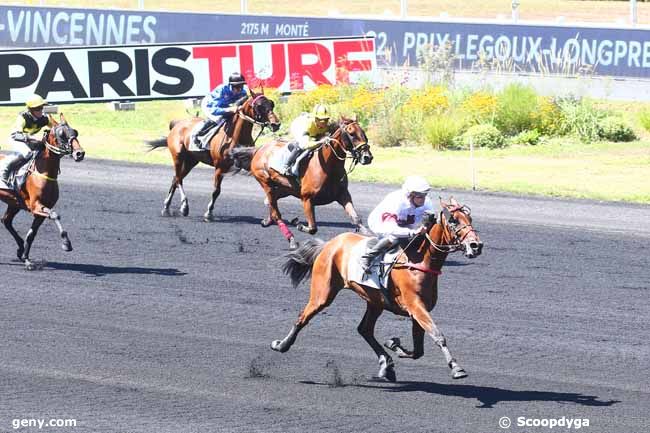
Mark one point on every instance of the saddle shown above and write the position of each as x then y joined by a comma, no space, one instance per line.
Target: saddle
202,134
279,160
18,178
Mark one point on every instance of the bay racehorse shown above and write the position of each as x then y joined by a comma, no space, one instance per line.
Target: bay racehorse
412,289
323,177
40,191
255,109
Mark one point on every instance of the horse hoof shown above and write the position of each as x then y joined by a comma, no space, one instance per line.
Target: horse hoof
293,245
208,218
277,346
29,266
295,222
19,254
66,246
266,222
388,374
165,213
185,210
458,373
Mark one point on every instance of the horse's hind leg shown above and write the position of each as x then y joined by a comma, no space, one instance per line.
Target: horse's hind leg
276,217
181,167
422,316
168,200
367,330
308,206
320,296
218,177
8,220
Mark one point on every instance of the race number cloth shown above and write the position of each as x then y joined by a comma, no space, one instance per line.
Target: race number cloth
373,279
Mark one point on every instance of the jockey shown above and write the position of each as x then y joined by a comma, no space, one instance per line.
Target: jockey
23,139
220,103
398,216
307,131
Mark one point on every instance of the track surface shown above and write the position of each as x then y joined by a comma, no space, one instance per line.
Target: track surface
163,324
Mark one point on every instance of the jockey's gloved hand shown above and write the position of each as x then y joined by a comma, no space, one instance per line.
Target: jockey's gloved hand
20,136
418,231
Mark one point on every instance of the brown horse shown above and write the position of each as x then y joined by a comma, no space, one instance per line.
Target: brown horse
323,178
40,191
412,289
256,109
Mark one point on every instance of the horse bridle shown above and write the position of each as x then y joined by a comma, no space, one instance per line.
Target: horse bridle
355,151
63,146
454,228
254,120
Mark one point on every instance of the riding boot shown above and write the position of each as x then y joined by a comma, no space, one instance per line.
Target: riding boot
12,163
372,252
199,137
295,152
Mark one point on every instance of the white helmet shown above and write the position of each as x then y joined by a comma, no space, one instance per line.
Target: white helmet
415,184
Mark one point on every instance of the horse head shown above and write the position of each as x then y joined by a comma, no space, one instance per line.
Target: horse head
456,221
259,108
62,140
353,140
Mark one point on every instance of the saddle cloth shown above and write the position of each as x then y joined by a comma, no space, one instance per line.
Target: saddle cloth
278,160
202,143
17,179
379,270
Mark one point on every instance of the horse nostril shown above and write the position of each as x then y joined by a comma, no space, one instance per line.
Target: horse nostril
473,245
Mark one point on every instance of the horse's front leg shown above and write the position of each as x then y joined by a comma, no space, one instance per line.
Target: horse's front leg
422,316
395,344
345,200
66,245
8,220
308,206
218,177
29,238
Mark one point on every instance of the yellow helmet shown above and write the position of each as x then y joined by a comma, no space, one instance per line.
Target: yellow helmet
35,101
321,112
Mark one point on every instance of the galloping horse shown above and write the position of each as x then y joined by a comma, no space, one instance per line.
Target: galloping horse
256,109
40,192
412,289
323,178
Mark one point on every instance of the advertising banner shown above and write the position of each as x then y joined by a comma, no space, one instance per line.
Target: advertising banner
181,70
612,51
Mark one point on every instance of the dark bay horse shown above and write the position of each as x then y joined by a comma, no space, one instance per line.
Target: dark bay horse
412,289
256,109
40,192
323,178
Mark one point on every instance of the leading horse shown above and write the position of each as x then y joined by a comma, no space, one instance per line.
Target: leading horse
323,178
412,289
40,192
256,109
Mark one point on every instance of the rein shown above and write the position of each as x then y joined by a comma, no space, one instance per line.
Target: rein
254,121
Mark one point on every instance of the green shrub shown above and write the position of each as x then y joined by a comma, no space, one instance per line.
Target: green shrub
581,118
440,131
615,129
526,137
517,107
644,119
485,135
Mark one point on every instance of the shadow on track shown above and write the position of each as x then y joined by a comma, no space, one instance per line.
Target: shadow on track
486,395
100,271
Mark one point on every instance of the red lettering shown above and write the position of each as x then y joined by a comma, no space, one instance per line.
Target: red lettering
344,65
298,71
215,55
278,63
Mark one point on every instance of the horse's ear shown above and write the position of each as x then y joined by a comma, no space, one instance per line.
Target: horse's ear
61,118
453,201
52,119
443,204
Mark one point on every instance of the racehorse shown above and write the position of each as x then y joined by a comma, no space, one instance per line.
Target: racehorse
323,178
255,109
40,191
412,289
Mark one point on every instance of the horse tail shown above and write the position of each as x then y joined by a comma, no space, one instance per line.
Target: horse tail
299,262
154,144
242,157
